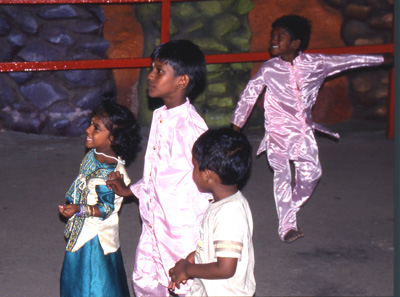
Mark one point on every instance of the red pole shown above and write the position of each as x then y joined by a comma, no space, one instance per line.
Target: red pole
165,10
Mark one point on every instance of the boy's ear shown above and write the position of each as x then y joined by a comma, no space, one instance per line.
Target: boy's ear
295,44
183,81
212,177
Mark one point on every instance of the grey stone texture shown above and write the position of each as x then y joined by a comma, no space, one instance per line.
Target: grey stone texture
51,102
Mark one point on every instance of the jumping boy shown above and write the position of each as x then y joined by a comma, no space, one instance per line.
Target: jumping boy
291,81
171,207
223,262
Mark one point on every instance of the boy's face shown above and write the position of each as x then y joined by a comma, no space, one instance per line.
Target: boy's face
199,177
281,45
161,81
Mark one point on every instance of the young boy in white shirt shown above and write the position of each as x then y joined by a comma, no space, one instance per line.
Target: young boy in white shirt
223,263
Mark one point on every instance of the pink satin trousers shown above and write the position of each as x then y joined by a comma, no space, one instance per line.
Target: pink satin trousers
288,199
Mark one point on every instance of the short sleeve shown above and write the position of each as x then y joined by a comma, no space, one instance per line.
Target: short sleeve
229,233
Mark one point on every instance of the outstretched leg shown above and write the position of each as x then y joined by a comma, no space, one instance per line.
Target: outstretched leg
283,193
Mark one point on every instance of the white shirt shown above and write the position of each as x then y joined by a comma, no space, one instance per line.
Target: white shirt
227,231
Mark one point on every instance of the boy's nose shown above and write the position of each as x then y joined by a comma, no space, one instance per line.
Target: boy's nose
150,75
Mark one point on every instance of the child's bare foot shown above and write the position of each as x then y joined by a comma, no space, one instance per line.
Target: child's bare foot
293,235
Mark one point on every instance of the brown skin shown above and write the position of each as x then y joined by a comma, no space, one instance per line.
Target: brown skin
282,46
161,83
116,183
236,128
98,137
207,181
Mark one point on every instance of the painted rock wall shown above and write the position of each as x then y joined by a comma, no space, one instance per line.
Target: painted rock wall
51,102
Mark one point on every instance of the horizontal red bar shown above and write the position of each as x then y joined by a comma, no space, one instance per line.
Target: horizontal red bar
82,1
145,62
73,65
75,1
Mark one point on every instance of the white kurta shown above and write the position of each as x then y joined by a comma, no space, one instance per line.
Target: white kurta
171,206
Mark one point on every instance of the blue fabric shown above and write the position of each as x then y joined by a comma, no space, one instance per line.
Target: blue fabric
88,272
105,201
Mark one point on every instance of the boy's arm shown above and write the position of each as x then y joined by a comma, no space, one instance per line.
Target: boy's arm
248,99
116,183
222,269
334,64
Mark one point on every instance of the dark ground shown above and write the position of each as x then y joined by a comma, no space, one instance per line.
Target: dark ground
347,251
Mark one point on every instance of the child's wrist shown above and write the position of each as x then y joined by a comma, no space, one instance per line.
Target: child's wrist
84,211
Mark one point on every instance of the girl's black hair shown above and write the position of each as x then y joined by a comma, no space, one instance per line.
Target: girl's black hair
224,151
298,28
122,125
184,57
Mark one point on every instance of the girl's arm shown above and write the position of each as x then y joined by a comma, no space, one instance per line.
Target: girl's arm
68,210
103,208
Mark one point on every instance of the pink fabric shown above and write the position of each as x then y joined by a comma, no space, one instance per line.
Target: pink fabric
171,207
290,94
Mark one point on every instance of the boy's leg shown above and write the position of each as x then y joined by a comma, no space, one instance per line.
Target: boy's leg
308,171
145,276
283,193
308,174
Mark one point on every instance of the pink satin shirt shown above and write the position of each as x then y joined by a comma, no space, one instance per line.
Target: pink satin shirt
169,201
291,92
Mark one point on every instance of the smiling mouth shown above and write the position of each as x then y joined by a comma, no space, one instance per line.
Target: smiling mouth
88,138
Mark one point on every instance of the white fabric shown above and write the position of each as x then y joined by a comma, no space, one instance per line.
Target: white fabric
227,231
107,230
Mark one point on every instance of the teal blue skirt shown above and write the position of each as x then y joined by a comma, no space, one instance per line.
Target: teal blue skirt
88,272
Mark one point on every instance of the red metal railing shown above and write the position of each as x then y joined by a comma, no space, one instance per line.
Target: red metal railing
211,59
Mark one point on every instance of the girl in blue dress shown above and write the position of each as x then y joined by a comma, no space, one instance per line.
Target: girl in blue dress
93,264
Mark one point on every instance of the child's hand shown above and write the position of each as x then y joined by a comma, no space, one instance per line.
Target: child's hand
116,183
68,210
178,274
388,59
236,128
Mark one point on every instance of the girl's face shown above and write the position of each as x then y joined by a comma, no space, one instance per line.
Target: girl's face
98,137
281,45
162,83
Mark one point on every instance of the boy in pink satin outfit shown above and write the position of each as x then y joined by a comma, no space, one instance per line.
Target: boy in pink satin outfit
171,207
291,80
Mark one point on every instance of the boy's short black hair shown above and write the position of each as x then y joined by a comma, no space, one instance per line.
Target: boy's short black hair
122,125
184,57
298,27
224,151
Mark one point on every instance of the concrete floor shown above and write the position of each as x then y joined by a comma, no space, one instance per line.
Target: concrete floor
347,251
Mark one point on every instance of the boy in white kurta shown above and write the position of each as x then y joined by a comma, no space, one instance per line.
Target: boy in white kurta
223,263
170,205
